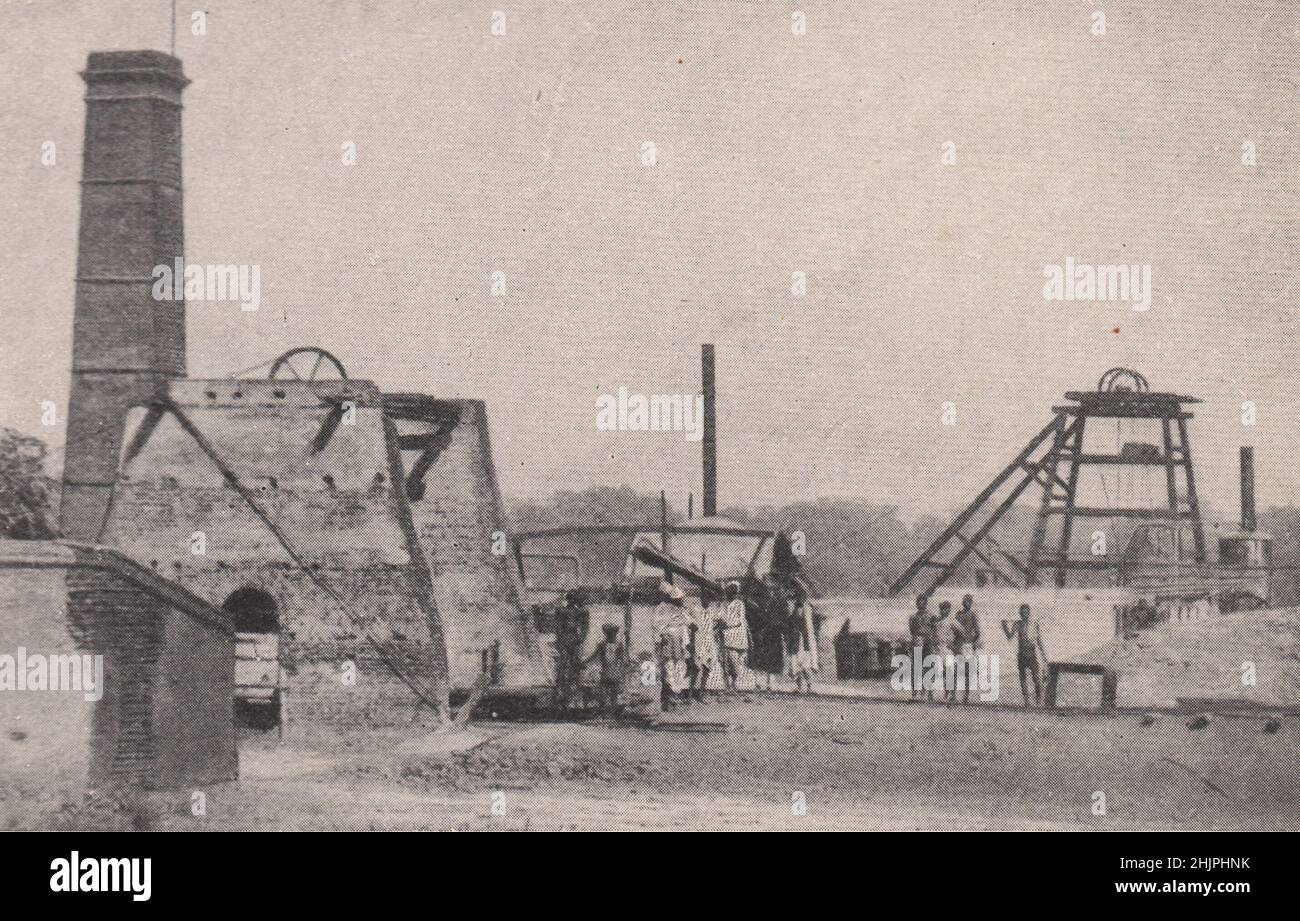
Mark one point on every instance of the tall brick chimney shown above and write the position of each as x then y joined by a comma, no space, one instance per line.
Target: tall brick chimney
125,344
1248,522
710,450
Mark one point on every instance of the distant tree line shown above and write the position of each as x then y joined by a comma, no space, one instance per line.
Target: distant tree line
851,547
859,548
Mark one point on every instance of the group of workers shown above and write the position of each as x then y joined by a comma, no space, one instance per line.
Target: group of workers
695,637
946,634
572,621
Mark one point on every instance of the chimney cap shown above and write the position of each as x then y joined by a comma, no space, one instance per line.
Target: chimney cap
112,66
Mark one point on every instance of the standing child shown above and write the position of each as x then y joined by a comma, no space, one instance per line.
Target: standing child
571,623
947,646
613,661
671,626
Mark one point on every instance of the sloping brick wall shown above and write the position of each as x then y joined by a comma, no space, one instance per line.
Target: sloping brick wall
461,522
340,506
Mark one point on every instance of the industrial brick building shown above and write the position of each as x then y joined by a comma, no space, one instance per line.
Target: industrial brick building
355,538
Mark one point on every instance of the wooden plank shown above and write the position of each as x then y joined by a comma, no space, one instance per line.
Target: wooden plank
1085,511
1109,681
1119,460
1049,463
1054,563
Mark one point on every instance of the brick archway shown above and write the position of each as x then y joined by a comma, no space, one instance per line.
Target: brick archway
256,620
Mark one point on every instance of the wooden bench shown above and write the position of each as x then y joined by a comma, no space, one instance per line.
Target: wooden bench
1109,681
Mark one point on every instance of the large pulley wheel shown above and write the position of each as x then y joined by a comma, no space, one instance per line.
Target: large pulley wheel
1123,380
307,363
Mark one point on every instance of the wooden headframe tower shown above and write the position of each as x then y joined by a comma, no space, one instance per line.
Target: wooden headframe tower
1053,460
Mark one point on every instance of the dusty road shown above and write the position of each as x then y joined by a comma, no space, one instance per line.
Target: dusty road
753,762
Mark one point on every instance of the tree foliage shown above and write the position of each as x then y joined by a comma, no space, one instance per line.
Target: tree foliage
851,547
859,548
25,487
595,505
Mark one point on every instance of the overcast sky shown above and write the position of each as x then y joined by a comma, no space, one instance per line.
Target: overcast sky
776,153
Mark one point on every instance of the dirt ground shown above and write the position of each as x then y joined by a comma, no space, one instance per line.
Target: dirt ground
752,761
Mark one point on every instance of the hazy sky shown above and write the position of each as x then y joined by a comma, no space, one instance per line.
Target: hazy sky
776,153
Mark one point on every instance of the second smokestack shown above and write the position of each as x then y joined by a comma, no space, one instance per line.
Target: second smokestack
710,432
1248,489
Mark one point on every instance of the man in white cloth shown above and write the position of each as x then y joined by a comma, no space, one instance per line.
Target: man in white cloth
672,628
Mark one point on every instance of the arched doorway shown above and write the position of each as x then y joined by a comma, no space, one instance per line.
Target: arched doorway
257,658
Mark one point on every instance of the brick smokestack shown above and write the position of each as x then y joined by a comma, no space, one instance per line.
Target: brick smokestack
710,432
125,344
1248,489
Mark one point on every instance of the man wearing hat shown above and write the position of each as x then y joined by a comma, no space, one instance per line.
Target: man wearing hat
671,625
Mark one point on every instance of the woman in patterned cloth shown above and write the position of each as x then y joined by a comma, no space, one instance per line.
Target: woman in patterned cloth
735,637
702,651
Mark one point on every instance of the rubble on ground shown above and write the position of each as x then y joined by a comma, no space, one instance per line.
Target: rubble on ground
1208,659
